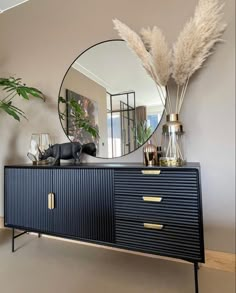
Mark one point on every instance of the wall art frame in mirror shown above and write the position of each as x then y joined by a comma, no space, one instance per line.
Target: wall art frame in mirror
107,98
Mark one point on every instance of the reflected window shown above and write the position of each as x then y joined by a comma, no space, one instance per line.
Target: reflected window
114,135
152,121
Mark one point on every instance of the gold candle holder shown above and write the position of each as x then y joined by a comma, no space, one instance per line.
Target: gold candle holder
150,155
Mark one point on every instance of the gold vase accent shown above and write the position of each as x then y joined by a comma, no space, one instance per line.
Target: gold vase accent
172,142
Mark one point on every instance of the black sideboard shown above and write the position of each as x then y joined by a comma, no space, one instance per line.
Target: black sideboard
154,210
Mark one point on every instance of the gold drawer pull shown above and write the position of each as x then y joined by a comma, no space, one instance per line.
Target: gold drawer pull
153,226
51,201
151,172
152,198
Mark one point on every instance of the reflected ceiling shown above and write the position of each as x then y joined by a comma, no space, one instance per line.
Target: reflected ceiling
8,4
127,74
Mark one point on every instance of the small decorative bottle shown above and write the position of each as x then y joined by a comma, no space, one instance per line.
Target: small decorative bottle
159,155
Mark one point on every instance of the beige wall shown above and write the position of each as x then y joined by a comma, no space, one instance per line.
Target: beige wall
40,39
81,84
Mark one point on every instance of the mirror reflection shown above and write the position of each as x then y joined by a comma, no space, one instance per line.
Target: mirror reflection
107,98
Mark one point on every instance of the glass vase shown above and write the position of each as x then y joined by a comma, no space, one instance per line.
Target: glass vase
172,142
39,142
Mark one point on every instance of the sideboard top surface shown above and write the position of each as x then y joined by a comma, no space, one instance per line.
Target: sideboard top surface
71,165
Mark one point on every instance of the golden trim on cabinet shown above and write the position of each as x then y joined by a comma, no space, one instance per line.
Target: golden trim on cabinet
153,226
152,198
51,201
151,172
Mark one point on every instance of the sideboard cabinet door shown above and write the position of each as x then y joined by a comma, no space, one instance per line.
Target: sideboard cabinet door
84,203
26,198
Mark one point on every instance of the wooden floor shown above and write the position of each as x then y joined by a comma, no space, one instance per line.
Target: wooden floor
220,261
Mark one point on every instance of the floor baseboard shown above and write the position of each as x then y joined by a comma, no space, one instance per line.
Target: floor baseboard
221,261
1,222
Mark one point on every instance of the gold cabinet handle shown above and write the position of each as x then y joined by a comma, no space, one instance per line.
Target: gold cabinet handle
152,198
51,201
151,172
153,226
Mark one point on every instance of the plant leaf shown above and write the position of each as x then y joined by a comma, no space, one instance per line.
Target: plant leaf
21,92
9,111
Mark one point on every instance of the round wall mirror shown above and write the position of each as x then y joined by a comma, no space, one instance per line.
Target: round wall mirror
107,98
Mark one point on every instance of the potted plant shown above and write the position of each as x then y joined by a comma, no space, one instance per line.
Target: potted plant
14,87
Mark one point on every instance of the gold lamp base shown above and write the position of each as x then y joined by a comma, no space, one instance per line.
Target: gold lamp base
171,162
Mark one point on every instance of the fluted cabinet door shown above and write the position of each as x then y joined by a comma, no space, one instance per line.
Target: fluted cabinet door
26,198
84,203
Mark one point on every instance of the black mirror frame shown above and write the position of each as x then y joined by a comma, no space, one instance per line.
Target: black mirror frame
102,42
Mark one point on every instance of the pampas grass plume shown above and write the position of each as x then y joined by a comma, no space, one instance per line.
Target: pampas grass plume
160,52
196,41
136,44
193,46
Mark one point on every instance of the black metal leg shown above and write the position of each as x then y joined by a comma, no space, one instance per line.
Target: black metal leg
196,267
14,237
13,240
39,235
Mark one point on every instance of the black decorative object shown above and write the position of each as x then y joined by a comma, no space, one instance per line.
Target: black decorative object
64,151
89,149
67,151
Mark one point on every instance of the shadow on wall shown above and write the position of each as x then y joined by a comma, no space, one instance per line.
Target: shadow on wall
13,155
52,108
20,130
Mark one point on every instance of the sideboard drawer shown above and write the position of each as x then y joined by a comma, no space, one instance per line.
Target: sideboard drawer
170,195
159,238
174,210
165,181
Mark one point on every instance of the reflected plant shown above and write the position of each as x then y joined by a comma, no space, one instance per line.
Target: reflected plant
78,116
143,132
14,87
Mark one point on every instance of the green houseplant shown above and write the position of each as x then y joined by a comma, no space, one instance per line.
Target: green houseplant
13,87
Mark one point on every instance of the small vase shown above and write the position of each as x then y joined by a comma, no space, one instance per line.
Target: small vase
150,155
39,142
172,142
